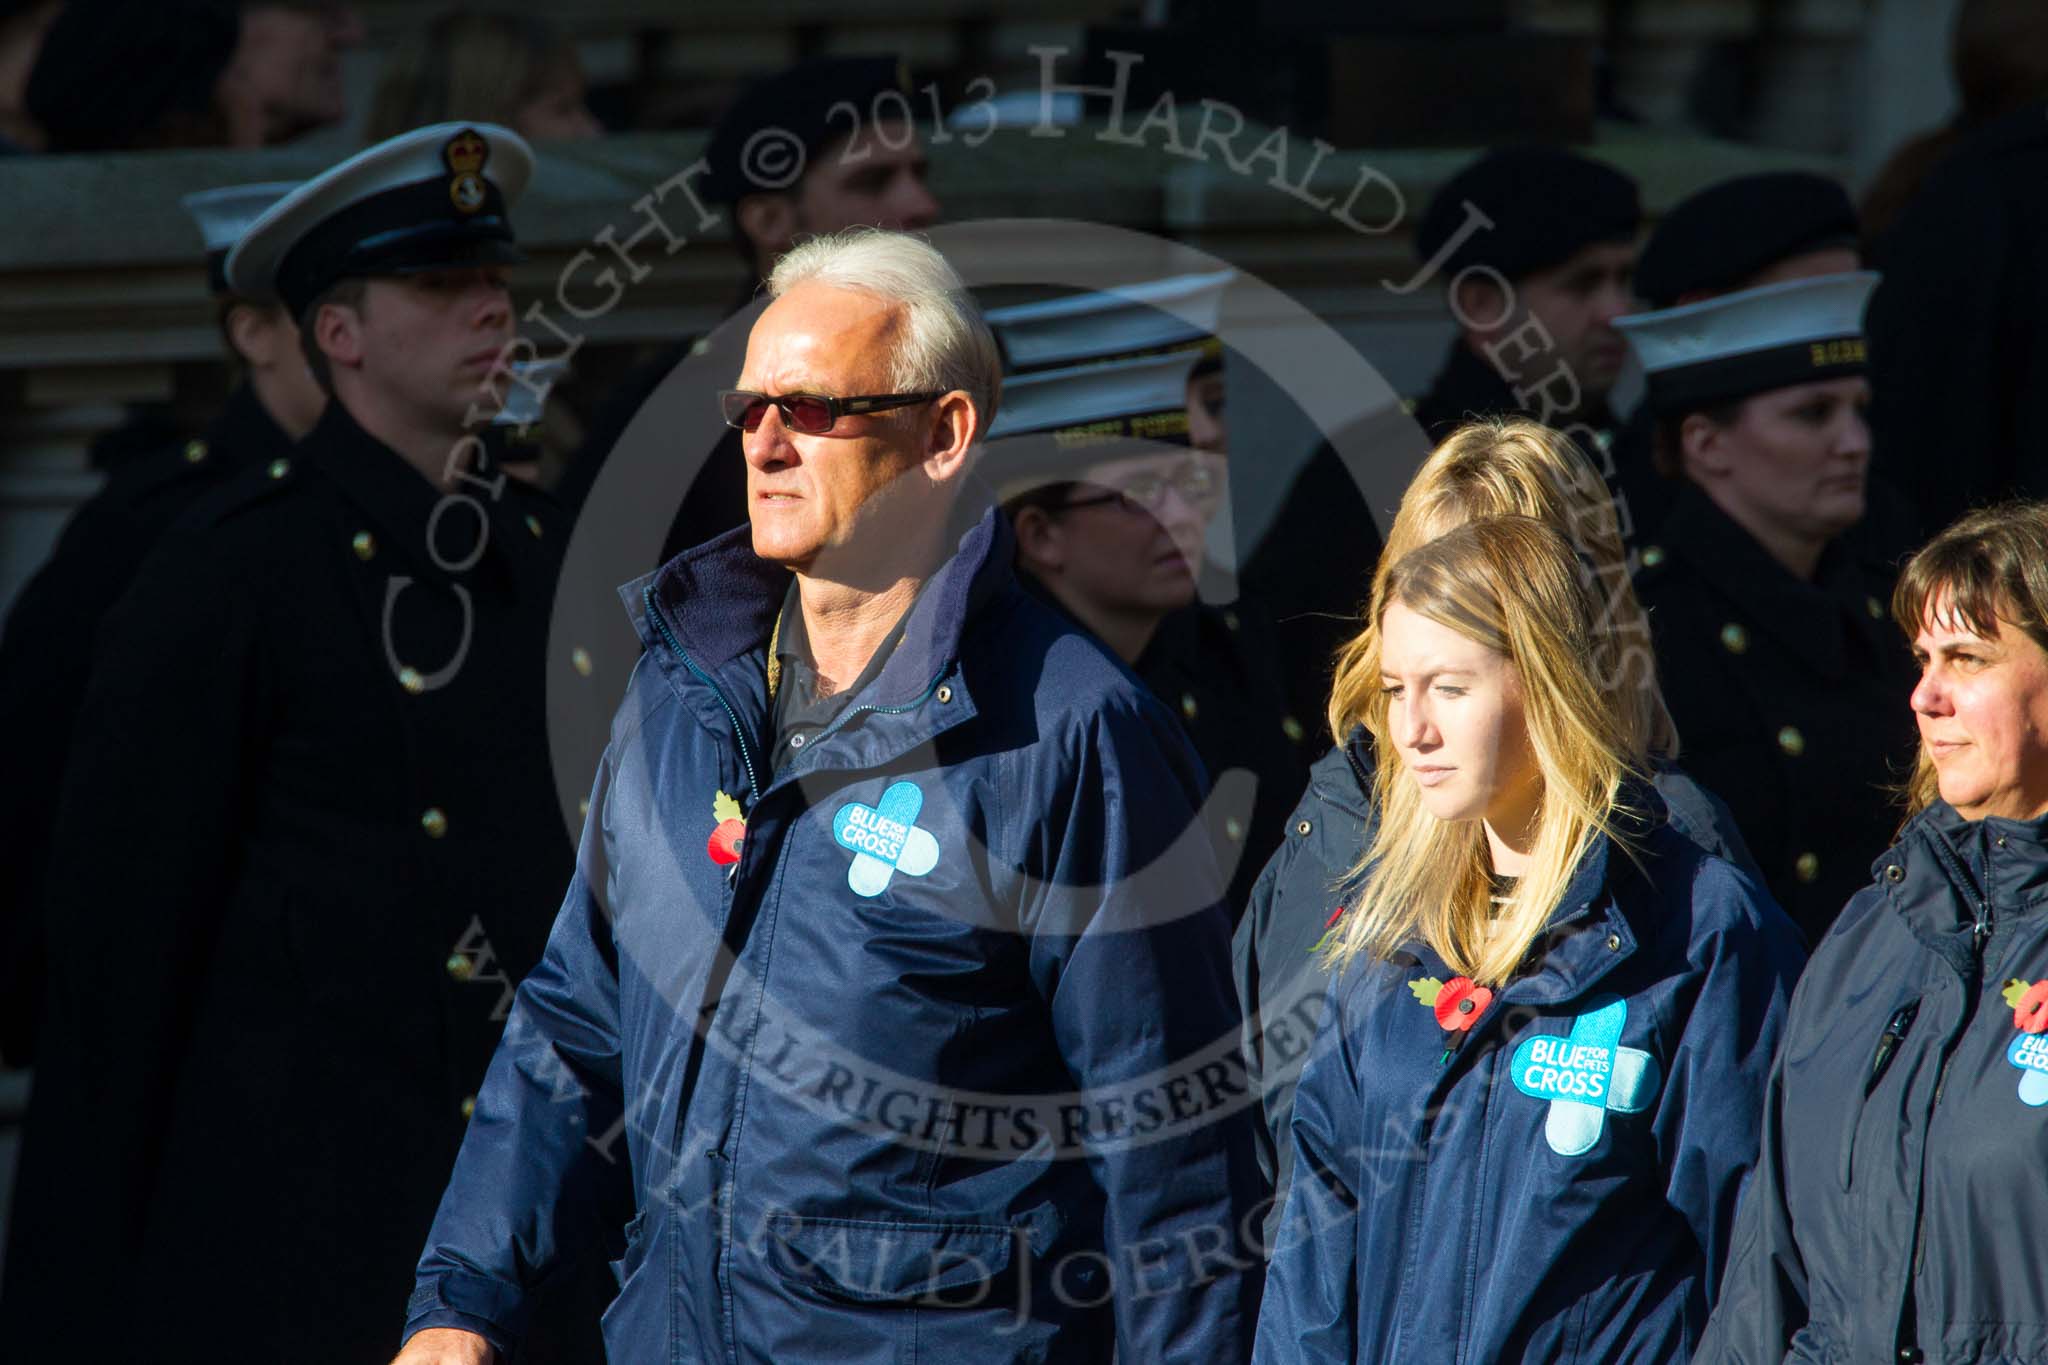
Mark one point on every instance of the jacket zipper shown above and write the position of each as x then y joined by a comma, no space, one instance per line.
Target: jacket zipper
746,758
1980,934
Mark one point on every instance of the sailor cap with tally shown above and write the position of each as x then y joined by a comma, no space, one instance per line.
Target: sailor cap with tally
1797,332
433,198
1099,376
224,216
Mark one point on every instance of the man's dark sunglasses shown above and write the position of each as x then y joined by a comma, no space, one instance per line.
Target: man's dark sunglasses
810,413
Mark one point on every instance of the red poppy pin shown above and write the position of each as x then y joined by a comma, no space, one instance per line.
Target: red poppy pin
724,845
1329,927
2029,1001
1457,1003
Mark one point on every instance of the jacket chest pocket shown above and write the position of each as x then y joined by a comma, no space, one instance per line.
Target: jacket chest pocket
1885,1052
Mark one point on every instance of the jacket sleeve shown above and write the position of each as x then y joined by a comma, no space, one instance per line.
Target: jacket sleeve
1130,944
1309,1313
520,1203
1710,1109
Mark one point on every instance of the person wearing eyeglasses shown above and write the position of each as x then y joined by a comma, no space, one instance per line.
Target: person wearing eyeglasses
892,942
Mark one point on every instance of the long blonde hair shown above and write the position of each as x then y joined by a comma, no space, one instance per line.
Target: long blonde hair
1521,468
1513,585
1988,570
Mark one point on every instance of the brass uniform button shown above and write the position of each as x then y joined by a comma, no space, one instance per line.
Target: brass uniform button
409,678
280,468
1230,621
583,808
468,1106
1188,709
434,822
533,525
579,658
1807,868
365,545
1734,638
460,967
195,451
1874,607
1653,555
1233,829
1791,741
1292,728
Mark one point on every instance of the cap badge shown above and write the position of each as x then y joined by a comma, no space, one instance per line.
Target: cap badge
465,154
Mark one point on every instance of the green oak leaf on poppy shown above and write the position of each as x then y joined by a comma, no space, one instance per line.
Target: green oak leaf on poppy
2014,989
1426,990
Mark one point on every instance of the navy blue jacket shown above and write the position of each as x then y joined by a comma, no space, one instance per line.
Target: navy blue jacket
1282,985
1560,1187
943,1066
1899,1203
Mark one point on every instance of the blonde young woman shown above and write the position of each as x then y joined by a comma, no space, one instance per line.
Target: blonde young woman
1538,1087
1485,469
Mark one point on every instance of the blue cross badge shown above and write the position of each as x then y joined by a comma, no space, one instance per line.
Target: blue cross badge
1584,1076
885,839
2029,1052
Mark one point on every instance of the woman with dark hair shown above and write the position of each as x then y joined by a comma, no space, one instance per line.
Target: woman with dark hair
1898,1203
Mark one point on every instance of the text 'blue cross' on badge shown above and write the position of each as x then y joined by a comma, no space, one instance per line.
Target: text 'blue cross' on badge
885,839
2029,1052
1584,1076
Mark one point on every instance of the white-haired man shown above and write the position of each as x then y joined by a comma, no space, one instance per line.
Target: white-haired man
892,983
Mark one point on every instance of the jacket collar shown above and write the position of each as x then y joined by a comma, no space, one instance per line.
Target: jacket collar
400,506
1590,932
1343,776
1948,867
1812,621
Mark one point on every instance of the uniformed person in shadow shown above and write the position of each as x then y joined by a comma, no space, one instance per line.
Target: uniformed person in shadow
1114,472
1769,620
1738,234
309,839
46,652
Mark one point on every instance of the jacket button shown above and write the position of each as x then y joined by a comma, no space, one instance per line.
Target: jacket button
1734,638
579,659
279,468
1614,943
1230,621
1874,607
1188,709
583,808
944,694
434,822
1911,1355
1807,867
195,451
1653,555
1894,873
460,967
1292,728
1791,741
409,678
1233,829
468,1106
1304,827
365,545
533,525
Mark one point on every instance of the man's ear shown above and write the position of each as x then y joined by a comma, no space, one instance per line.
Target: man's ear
1479,305
1041,547
262,335
769,222
338,331
950,437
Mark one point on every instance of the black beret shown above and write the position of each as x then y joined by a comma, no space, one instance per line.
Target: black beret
1545,205
769,136
1721,237
110,71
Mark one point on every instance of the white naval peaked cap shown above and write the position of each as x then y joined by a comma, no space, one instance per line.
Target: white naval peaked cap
224,215
1175,311
1752,341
